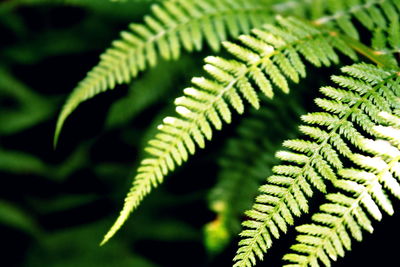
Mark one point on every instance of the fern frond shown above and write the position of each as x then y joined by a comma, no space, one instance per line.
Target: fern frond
245,161
345,217
364,186
332,136
369,182
173,25
268,58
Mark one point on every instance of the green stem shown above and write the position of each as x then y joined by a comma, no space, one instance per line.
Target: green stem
366,51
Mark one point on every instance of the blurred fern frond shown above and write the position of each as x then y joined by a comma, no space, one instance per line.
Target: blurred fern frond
22,107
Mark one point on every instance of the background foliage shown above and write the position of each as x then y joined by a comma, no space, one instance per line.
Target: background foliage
56,205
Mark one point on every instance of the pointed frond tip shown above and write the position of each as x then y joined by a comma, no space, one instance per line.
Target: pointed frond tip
350,118
173,25
141,185
266,59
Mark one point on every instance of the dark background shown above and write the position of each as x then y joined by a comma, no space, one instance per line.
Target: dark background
55,205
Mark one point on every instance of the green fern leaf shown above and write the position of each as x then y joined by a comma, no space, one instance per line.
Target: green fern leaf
173,25
311,164
346,216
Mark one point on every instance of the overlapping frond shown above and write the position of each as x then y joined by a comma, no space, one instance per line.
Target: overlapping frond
245,161
371,128
268,58
332,136
379,17
371,14
173,25
386,40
